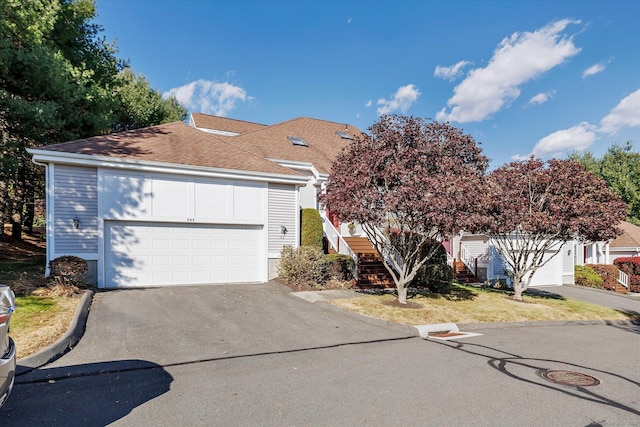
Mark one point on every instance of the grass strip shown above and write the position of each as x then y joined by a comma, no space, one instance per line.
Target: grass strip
466,304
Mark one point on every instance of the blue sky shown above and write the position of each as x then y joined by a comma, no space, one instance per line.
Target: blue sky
522,77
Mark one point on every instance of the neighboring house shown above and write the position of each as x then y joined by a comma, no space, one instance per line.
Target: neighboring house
485,262
625,245
175,204
476,251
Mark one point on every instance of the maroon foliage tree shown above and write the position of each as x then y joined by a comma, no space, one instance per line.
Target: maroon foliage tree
534,208
409,182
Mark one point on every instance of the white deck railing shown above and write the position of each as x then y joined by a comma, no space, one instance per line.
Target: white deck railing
467,259
623,279
450,260
338,243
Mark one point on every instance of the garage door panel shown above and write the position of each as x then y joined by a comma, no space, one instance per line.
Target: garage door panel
138,254
550,273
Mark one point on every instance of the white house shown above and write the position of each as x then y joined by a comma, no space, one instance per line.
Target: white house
484,260
625,245
175,204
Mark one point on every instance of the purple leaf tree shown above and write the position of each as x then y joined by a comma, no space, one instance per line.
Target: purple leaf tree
409,182
534,208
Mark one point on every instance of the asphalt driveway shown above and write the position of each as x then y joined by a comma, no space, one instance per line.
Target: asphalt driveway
256,355
177,325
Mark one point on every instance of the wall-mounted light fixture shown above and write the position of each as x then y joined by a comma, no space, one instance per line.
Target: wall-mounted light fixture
76,222
283,230
569,252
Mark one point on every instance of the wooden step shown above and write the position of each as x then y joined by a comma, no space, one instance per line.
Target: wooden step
621,289
360,245
371,270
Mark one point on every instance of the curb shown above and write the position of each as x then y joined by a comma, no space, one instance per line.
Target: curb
507,325
410,331
65,343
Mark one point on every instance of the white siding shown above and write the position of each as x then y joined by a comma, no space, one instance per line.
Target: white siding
123,195
160,197
75,195
282,211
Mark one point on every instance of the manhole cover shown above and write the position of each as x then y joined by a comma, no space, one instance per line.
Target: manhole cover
571,378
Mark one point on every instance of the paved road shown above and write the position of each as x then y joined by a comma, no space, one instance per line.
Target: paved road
625,302
255,355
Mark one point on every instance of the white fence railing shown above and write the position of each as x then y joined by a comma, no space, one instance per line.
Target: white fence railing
467,259
623,279
338,243
450,260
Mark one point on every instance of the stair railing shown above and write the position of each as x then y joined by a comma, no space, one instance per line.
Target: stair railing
391,255
623,279
338,243
468,259
450,260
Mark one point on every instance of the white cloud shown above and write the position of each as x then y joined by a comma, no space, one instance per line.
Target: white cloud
517,59
369,103
578,137
625,114
404,98
349,21
450,73
594,69
541,98
209,97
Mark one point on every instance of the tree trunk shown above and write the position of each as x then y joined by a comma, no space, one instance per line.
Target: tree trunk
18,204
517,289
29,209
3,208
402,294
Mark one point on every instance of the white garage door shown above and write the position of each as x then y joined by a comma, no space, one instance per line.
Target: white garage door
145,254
550,273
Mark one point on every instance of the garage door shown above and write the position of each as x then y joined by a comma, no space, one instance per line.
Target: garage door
550,273
145,254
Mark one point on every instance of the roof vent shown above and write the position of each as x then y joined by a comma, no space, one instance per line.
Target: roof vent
297,141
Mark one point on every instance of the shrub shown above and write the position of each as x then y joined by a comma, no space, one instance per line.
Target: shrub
439,278
67,271
630,265
304,266
587,276
340,267
311,225
436,275
609,275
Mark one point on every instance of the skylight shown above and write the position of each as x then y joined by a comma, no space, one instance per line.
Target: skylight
344,135
297,141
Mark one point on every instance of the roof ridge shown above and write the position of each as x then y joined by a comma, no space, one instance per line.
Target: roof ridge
111,134
314,119
228,118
